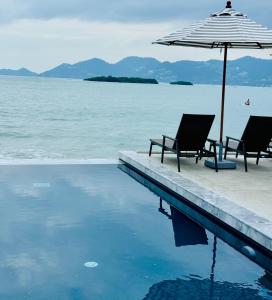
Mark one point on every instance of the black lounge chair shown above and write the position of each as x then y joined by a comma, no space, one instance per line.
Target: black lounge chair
254,141
190,139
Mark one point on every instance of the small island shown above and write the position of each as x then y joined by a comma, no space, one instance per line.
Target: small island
182,83
122,79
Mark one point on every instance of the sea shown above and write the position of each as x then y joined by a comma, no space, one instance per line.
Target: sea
64,118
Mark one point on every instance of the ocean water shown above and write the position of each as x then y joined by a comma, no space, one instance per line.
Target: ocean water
62,118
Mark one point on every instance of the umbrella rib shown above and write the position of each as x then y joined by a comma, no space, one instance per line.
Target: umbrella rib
172,42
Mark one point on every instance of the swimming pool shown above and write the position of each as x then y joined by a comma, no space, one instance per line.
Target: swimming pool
94,232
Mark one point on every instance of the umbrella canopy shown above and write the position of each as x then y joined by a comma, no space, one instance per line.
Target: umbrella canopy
227,26
225,29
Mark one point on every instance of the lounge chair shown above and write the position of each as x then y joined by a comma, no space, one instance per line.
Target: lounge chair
190,139
254,141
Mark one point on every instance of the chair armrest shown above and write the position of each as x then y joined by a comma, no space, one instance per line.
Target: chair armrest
213,144
169,138
211,141
237,140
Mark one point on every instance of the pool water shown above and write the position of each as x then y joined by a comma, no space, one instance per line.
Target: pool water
94,232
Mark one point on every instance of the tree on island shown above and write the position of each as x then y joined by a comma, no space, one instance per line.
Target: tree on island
122,79
182,83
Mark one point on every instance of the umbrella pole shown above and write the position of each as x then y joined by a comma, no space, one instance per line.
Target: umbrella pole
222,163
213,267
223,102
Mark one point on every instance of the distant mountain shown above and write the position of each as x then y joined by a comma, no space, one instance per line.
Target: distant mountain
19,72
84,69
243,71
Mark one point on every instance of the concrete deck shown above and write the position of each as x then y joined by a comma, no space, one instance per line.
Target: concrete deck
241,200
252,190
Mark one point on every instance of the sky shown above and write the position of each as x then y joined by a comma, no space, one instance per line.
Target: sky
41,34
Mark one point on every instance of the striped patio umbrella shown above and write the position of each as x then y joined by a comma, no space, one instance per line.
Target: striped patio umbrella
225,29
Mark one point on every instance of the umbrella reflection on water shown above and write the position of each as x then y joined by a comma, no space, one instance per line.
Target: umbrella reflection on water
196,289
193,287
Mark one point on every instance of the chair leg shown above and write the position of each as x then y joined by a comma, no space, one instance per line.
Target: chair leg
161,208
215,158
258,158
197,157
226,148
178,162
162,155
245,161
225,155
150,149
236,154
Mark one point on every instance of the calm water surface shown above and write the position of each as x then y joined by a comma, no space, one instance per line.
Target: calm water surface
58,118
55,219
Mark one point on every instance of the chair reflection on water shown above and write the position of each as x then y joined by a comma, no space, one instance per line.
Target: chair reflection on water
186,232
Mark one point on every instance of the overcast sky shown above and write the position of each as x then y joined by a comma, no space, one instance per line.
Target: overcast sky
40,34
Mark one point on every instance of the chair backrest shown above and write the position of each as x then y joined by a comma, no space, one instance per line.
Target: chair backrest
186,231
257,134
193,131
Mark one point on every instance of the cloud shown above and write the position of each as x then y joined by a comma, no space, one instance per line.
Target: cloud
126,10
42,44
42,34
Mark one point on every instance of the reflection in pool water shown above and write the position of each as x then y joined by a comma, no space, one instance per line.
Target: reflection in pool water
186,233
97,213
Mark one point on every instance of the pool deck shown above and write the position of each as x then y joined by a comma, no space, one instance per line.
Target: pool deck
240,200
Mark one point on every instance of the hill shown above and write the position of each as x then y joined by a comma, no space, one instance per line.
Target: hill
244,71
19,72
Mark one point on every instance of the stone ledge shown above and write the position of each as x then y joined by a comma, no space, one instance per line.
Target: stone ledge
240,218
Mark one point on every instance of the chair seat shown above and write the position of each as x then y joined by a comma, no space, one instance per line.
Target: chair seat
169,147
